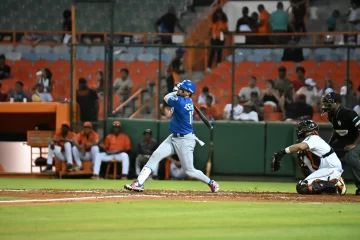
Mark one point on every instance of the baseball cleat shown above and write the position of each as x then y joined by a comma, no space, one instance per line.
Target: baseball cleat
214,186
134,186
340,186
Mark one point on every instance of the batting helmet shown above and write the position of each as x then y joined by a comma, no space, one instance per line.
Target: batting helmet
189,86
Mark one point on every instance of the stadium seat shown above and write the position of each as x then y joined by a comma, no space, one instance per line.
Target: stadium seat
275,116
309,65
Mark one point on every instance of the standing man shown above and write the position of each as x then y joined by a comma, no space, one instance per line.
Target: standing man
85,147
60,146
345,138
263,24
181,141
167,23
144,150
117,146
279,21
88,101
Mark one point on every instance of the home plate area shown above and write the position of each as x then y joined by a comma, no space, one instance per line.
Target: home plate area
29,196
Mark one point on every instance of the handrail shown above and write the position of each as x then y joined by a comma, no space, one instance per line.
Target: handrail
143,106
127,101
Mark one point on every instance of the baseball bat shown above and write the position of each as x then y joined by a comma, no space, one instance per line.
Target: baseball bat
203,118
209,162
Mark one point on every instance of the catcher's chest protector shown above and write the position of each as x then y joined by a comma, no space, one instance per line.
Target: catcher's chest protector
314,159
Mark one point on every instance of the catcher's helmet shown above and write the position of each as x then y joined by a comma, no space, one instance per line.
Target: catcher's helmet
306,126
328,100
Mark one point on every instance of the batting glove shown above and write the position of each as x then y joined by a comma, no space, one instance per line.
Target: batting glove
176,88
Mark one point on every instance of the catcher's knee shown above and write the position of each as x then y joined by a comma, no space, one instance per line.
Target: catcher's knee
316,187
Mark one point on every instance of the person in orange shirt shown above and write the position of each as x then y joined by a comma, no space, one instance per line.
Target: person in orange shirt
218,28
85,147
116,146
211,111
263,24
60,146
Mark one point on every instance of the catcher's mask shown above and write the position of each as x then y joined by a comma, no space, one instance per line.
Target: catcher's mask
328,102
304,127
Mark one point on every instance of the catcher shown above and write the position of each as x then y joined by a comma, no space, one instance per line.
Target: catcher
320,162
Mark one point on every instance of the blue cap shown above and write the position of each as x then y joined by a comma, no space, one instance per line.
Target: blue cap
189,86
180,50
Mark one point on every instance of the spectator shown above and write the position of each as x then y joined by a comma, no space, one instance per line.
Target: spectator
18,95
270,94
123,85
177,172
202,97
67,25
219,27
85,146
45,78
245,92
300,81
328,88
249,114
175,68
100,82
254,28
331,22
279,21
245,22
203,110
258,105
238,109
282,83
40,95
299,110
293,53
145,149
167,23
263,23
3,95
212,112
310,92
117,146
354,16
351,100
4,68
88,101
299,10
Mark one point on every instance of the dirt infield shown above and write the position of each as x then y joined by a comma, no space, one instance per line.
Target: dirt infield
30,197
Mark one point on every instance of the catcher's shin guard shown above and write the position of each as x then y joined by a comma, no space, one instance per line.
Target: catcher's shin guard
316,187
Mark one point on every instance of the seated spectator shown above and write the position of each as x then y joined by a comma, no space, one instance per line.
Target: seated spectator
177,172
328,88
212,112
123,85
310,92
249,113
40,95
238,109
18,95
117,146
279,21
45,78
293,53
300,81
60,147
299,110
203,110
4,68
145,149
88,101
282,83
202,97
85,146
257,104
3,95
270,95
100,82
331,22
245,92
245,22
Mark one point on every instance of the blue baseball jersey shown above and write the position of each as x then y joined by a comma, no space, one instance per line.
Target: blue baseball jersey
182,110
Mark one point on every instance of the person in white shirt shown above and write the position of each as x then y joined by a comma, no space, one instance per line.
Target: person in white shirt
245,92
202,97
40,95
44,76
320,164
238,109
310,91
123,85
249,114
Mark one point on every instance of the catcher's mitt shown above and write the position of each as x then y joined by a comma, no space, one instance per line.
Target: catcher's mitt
276,160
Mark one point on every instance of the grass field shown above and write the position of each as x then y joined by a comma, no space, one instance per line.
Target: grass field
174,219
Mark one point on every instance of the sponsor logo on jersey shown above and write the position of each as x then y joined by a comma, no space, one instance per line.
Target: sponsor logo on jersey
342,132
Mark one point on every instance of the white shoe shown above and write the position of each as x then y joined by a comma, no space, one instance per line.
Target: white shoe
134,186
214,186
341,187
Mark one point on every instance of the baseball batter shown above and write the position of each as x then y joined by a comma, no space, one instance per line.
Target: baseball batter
324,166
181,141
